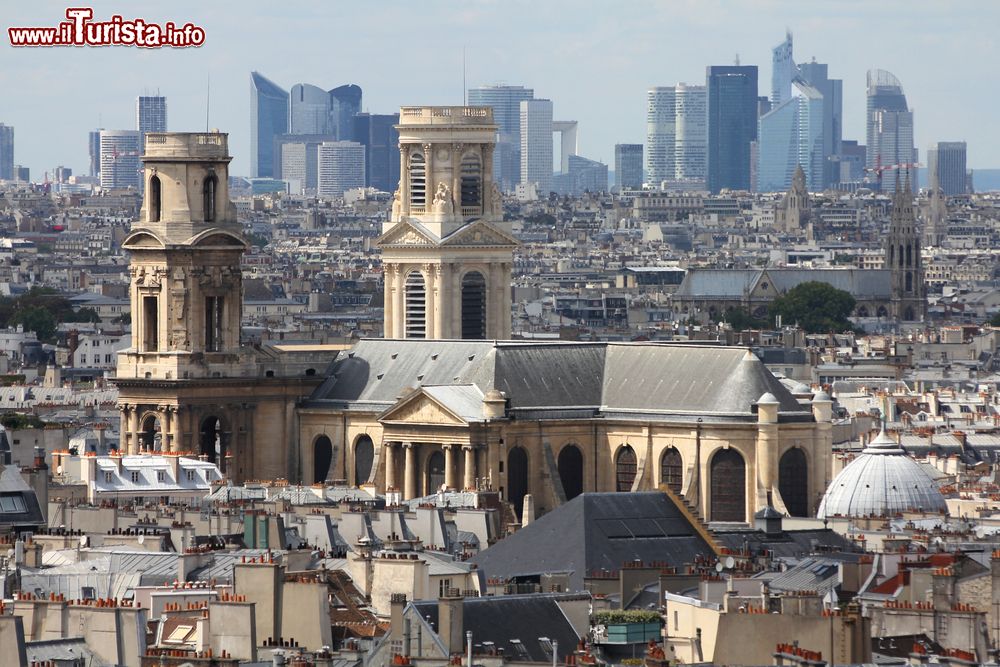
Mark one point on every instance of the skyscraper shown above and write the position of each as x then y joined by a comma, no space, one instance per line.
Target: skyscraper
946,161
732,125
6,152
506,104
309,110
581,175
120,163
378,134
889,129
150,113
676,135
94,149
345,102
628,166
832,90
791,135
536,144
268,118
782,71
340,167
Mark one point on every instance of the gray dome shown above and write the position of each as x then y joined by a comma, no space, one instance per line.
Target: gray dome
882,481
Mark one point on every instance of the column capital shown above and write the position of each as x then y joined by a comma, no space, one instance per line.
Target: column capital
408,445
428,148
468,448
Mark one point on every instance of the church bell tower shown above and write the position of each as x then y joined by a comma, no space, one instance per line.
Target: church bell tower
902,258
446,250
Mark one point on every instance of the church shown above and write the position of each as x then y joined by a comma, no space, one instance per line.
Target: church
446,400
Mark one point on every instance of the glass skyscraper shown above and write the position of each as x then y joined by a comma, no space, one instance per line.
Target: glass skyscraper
120,163
94,150
676,135
947,162
345,102
732,125
378,134
268,119
309,110
782,71
536,144
6,152
889,130
628,166
341,166
791,135
506,104
832,90
150,113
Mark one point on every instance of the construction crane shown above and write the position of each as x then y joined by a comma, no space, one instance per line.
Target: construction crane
879,169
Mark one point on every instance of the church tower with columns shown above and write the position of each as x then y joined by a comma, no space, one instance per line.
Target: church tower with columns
446,250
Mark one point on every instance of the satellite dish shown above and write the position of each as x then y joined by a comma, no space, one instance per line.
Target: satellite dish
84,539
141,539
730,562
719,567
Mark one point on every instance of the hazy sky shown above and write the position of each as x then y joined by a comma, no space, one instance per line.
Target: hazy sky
595,60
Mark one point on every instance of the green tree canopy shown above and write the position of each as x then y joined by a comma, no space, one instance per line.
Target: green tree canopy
815,306
42,309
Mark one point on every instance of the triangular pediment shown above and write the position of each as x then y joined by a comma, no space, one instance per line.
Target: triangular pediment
408,233
480,233
421,408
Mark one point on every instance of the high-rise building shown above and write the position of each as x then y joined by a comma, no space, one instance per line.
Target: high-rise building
628,166
6,152
378,134
268,119
345,103
791,135
582,175
832,90
506,104
22,174
300,149
676,136
732,125
536,144
121,166
150,114
309,110
946,161
94,149
889,130
340,167
782,71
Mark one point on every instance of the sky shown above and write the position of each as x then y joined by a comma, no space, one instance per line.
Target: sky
594,60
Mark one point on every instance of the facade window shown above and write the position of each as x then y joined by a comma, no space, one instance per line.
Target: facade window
208,190
626,466
416,306
108,477
418,181
444,586
213,323
150,324
154,199
190,475
672,470
11,503
472,182
161,476
473,306
135,476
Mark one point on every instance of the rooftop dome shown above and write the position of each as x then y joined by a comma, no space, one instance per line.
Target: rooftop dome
882,481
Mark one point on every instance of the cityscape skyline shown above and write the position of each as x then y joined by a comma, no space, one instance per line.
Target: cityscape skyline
622,56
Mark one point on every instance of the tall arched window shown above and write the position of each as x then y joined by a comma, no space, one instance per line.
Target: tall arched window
571,471
473,306
909,256
416,305
625,469
418,181
517,478
154,199
208,190
364,458
672,470
728,483
793,482
472,181
322,458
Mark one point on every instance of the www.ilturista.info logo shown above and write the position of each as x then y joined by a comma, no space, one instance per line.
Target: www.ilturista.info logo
80,30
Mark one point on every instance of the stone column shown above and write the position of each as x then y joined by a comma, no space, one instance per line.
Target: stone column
390,467
442,302
409,471
470,467
388,301
133,429
449,466
176,430
487,154
167,429
503,300
430,302
429,181
399,307
123,434
404,181
161,413
456,178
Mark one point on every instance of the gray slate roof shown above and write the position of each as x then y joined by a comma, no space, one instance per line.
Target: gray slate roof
734,284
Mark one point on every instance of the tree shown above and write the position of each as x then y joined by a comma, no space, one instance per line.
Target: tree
37,319
86,314
815,306
995,320
740,320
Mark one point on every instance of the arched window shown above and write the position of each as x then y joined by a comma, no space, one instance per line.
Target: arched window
672,470
909,281
213,440
418,181
882,312
416,306
364,458
472,182
909,256
208,190
473,306
571,471
793,482
728,485
322,458
150,437
517,478
154,199
625,469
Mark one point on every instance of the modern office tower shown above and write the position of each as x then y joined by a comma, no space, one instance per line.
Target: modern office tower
889,131
581,175
345,103
628,166
22,174
378,134
6,152
732,125
536,144
62,174
789,136
851,162
763,105
832,90
94,149
340,167
309,110
150,113
506,104
268,119
782,71
946,161
676,135
121,166
302,156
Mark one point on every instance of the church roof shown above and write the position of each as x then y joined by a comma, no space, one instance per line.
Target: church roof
557,378
734,284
